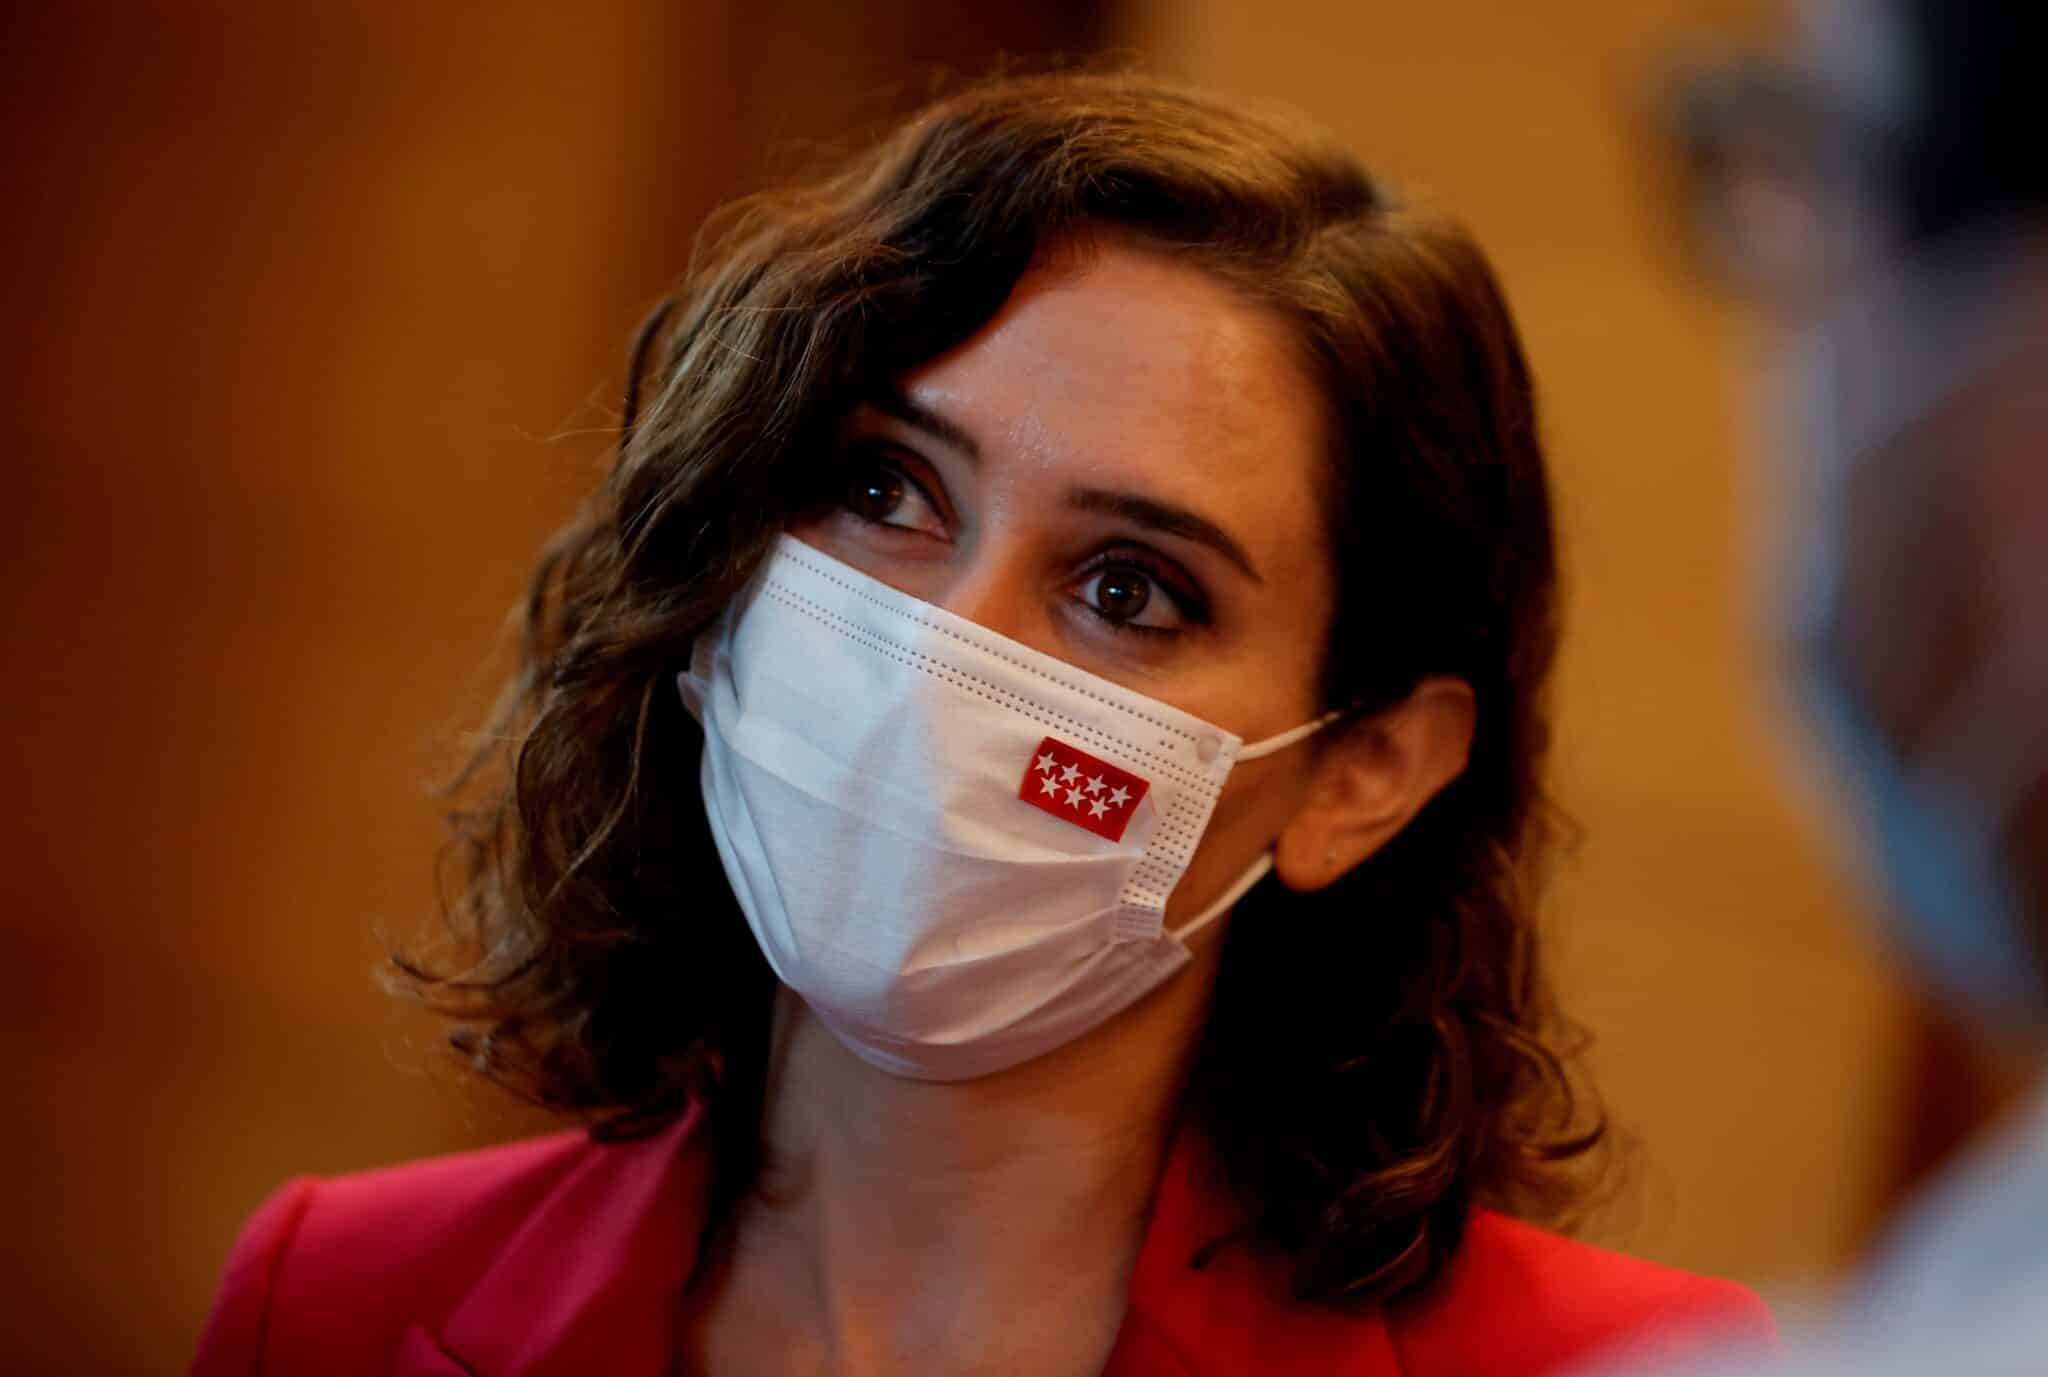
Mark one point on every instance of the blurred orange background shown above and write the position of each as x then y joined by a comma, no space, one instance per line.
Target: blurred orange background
315,321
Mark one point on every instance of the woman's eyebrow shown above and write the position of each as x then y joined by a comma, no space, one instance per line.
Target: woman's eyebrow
1143,511
899,407
1163,517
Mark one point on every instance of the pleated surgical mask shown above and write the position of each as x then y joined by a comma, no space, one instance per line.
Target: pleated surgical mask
956,849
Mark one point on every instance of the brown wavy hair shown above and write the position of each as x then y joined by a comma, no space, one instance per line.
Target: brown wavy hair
1381,1055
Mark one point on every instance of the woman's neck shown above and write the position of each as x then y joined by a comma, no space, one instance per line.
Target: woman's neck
892,1209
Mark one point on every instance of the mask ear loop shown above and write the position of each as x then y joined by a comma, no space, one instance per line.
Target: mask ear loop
1259,868
1228,899
1287,738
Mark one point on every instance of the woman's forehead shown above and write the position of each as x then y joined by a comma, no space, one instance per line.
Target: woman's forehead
1131,368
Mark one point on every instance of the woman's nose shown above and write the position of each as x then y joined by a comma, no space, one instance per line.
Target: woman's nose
996,589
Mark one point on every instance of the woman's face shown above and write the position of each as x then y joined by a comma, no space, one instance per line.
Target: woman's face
1122,470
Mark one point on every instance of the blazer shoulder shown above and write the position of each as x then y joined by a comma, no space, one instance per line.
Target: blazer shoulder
328,1272
470,1197
1520,1301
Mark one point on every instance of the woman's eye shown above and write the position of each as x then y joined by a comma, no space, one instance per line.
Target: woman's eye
1131,600
881,496
875,495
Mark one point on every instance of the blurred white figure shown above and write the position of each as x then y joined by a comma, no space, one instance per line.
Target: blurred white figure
1886,198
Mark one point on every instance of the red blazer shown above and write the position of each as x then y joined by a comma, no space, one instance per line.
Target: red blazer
561,1257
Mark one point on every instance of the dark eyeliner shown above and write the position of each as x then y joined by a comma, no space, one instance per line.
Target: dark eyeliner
880,455
1189,603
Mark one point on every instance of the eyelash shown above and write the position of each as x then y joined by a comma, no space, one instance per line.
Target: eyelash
1189,605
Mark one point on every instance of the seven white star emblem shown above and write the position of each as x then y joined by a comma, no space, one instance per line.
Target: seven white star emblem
1076,787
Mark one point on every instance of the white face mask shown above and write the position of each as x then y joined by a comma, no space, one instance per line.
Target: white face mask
956,849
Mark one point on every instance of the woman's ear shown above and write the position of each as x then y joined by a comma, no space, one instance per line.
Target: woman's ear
1371,780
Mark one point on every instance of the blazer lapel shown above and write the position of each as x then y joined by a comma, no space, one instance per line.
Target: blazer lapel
1233,1316
592,1281
420,1355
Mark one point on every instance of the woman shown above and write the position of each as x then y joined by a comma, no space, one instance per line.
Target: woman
1083,579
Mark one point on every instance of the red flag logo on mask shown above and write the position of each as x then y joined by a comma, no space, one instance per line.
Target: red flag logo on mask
1085,790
